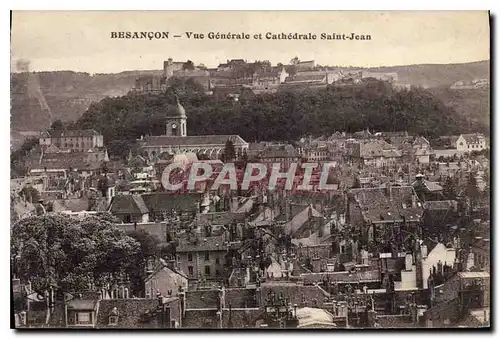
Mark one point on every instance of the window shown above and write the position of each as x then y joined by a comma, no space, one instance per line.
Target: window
113,320
190,270
127,218
207,270
83,318
217,261
207,255
190,256
217,273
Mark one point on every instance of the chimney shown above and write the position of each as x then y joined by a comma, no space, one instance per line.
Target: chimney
408,262
423,251
22,316
159,297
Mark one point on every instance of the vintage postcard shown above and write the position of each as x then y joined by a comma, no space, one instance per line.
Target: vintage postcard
250,169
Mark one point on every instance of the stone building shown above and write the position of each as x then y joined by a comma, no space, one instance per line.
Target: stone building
177,141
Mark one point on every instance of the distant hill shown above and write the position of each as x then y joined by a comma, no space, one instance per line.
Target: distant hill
472,104
37,98
434,75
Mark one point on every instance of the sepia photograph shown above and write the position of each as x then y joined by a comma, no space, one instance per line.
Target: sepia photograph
250,170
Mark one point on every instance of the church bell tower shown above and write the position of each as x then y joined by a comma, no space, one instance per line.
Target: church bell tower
177,121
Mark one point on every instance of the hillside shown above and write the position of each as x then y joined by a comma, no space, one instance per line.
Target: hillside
472,104
41,97
284,116
434,75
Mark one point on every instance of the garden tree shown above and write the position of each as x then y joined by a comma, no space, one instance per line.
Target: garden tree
357,183
294,61
136,165
449,189
18,157
68,253
308,264
188,65
149,249
202,156
57,125
169,249
291,70
120,148
30,193
229,154
471,190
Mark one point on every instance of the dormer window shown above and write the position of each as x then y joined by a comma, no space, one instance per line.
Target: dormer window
113,317
113,320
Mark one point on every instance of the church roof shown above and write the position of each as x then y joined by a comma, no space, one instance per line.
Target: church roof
193,140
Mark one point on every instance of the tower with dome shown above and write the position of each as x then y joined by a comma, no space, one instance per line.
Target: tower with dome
177,141
177,120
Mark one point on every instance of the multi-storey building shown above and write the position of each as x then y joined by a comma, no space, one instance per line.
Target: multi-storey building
72,140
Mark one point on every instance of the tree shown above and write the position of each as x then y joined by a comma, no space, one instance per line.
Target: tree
188,65
471,190
357,183
149,249
229,151
202,156
285,115
17,158
294,61
69,253
57,125
449,189
291,70
30,193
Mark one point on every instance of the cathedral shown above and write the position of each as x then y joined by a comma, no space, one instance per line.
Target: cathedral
177,141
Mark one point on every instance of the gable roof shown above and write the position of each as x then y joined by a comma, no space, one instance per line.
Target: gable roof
162,265
193,140
311,317
386,204
441,205
420,140
342,277
74,133
73,205
66,160
279,151
128,204
202,299
82,304
130,312
474,138
294,225
213,243
302,295
165,202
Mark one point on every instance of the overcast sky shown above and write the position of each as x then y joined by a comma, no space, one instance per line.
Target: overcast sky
80,41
